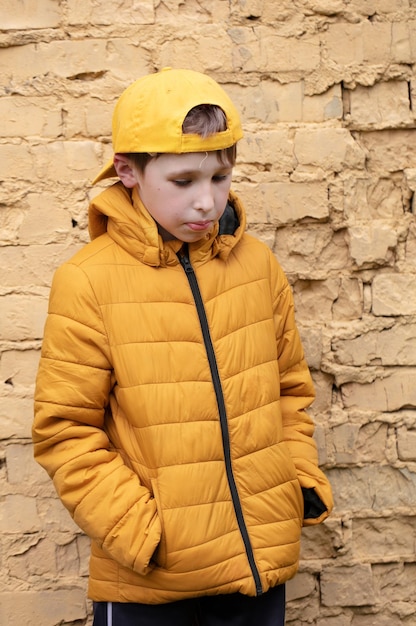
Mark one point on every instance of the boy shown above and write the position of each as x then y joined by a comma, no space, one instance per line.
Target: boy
171,394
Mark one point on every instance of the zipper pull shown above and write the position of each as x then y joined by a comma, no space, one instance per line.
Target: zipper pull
185,262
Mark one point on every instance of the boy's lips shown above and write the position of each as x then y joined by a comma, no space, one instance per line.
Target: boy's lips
200,225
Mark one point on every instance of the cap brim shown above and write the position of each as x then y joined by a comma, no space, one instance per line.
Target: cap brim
108,171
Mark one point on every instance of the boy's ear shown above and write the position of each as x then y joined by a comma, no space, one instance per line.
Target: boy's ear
125,170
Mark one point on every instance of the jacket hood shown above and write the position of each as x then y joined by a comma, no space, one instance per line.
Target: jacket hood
121,213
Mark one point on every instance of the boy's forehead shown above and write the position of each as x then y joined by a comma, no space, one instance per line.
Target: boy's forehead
190,161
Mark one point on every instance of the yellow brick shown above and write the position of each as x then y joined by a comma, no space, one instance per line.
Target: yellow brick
30,14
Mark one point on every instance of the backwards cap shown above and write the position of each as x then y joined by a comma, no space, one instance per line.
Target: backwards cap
149,114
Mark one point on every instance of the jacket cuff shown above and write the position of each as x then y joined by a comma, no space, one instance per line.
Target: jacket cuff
313,505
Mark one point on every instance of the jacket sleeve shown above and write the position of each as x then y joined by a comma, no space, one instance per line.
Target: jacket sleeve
103,495
296,395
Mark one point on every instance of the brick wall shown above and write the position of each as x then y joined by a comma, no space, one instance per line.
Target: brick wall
327,170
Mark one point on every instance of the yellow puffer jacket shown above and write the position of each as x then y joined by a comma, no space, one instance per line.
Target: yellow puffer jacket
170,410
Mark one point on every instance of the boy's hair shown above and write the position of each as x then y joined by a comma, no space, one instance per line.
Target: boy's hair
203,120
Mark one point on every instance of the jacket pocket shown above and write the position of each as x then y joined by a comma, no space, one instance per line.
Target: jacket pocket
160,554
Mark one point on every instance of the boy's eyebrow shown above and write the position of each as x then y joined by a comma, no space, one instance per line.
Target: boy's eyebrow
188,172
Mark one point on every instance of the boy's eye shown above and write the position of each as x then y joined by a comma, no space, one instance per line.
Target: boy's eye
184,182
181,182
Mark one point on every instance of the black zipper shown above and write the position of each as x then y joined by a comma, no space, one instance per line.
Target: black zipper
193,283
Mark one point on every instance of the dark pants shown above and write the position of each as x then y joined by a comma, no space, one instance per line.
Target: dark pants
228,610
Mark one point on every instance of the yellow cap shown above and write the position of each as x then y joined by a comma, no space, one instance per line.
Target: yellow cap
149,114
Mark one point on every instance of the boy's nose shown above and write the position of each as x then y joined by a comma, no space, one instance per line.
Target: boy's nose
205,199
